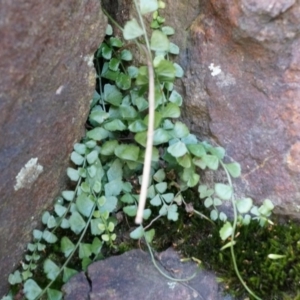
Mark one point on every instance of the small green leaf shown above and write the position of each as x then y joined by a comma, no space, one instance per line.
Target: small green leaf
66,246
60,210
146,213
171,110
109,30
54,294
130,210
175,98
106,51
128,112
123,81
133,71
96,246
180,130
174,49
217,202
96,134
234,169
184,161
226,231
214,215
115,42
196,149
211,161
159,41
84,205
149,235
92,157
156,201
244,205
73,174
51,269
80,148
168,197
165,71
15,278
159,175
31,289
223,191
115,125
172,212
127,198
161,136
112,94
85,250
108,147
49,237
98,116
161,187
147,6
137,233
77,223
178,71
46,215
51,222
110,204
132,30
168,30
96,225
208,202
126,55
222,217
178,149
127,151
76,158
68,273
137,126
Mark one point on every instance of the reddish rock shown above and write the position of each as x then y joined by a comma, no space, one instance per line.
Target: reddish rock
47,81
241,88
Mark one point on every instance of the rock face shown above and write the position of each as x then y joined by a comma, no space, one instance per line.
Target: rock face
241,88
47,81
132,275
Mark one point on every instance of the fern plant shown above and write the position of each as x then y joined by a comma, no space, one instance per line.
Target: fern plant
135,150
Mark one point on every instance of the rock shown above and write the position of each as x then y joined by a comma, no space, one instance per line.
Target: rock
47,82
77,288
241,88
132,275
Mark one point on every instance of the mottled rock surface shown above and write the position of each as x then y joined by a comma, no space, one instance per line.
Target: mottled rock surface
133,276
47,81
242,88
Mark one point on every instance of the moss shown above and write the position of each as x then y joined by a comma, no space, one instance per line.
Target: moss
270,279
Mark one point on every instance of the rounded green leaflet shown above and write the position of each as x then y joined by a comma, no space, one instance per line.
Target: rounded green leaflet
223,191
178,149
127,151
126,55
137,233
123,81
132,30
130,210
148,6
226,231
66,246
76,158
77,223
244,205
31,289
51,269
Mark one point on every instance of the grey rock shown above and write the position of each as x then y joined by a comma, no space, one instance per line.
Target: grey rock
132,275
